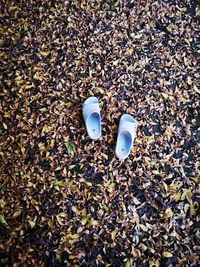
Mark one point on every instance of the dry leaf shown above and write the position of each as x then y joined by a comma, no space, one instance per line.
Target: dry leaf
167,254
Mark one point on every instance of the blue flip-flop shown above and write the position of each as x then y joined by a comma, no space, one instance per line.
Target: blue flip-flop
126,135
92,117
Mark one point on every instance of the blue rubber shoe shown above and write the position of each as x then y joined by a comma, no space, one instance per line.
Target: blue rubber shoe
126,135
92,117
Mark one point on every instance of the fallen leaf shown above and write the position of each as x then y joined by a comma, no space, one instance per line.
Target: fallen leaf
167,254
168,213
75,210
143,227
3,220
17,214
31,223
43,53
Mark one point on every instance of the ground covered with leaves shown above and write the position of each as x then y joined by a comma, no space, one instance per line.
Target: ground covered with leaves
66,200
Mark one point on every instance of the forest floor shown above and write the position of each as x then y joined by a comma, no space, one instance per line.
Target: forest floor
65,200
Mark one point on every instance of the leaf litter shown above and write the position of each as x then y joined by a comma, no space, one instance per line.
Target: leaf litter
65,200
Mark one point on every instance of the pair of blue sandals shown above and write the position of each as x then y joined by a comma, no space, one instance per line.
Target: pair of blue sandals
126,131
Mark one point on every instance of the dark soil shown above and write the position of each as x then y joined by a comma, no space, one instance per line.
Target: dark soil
66,200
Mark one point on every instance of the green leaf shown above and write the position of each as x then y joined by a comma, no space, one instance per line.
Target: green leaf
70,167
70,147
153,162
117,3
3,221
93,83
81,166
58,183
181,169
57,187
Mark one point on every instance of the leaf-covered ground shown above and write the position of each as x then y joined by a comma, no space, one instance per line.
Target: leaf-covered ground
66,200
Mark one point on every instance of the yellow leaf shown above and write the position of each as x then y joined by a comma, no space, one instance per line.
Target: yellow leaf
189,196
93,222
20,82
17,214
72,257
167,254
43,109
115,62
64,171
183,9
31,223
74,236
23,150
68,104
69,25
192,210
127,264
130,51
196,89
59,220
147,160
37,77
70,167
146,8
37,68
11,8
143,227
168,213
84,221
189,80
6,115
197,11
186,194
151,263
113,234
75,210
161,83
169,28
18,78
68,251
137,36
45,129
43,53
137,220
99,90
165,95
135,65
50,223
28,86
135,252
5,126
186,207
177,196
